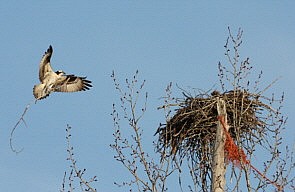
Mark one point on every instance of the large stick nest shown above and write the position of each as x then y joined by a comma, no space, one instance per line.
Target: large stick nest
191,131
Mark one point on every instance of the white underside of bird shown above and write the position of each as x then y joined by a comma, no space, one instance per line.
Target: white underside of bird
57,81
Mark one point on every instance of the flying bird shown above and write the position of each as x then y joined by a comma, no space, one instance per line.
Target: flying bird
57,81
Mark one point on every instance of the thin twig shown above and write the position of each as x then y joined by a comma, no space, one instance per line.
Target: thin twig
21,119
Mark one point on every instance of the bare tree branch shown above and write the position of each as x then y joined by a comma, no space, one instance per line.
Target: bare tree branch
146,173
75,172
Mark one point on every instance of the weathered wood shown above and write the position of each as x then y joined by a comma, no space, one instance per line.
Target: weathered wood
218,165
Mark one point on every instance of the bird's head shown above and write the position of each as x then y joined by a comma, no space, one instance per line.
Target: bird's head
60,72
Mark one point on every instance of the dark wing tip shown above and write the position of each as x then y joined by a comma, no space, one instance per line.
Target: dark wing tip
47,55
83,85
49,50
86,84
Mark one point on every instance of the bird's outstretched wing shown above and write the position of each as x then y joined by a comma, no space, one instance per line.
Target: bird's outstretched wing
72,83
45,66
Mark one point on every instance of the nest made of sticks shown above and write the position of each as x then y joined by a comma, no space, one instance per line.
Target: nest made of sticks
191,131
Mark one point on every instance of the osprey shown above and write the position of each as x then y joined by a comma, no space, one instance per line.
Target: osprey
57,81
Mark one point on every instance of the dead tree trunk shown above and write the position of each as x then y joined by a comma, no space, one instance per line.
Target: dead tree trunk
218,166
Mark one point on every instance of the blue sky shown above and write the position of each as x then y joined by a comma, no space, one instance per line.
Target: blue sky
167,41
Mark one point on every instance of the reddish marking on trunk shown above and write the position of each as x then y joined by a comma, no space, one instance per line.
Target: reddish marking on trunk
237,156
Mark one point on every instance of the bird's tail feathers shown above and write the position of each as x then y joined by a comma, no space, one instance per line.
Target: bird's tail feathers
39,91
